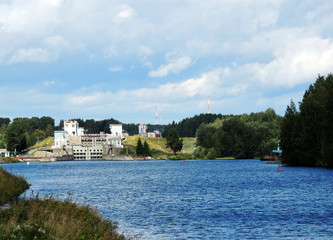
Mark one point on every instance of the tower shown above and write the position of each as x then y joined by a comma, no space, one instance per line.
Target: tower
208,104
156,115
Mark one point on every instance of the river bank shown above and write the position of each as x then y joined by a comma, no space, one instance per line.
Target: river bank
48,218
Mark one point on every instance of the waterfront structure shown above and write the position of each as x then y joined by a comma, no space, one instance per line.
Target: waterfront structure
71,127
60,139
73,142
116,130
88,153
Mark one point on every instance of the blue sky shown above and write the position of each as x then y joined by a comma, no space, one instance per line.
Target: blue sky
120,59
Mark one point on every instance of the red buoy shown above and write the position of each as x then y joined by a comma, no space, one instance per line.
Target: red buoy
183,161
279,169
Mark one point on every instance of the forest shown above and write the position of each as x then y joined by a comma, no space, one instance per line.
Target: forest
241,136
24,132
307,132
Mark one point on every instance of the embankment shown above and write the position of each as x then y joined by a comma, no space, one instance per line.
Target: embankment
48,218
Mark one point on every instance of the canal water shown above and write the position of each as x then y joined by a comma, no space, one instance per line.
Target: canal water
201,199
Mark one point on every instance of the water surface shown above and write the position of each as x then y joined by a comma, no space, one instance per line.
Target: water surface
202,199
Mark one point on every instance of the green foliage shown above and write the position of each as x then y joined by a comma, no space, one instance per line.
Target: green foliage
49,131
27,231
306,135
53,219
139,148
173,141
11,186
188,126
179,156
244,136
146,149
16,136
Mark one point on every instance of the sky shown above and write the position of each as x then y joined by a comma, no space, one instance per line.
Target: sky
123,59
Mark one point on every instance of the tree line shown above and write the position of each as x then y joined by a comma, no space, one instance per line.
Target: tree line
24,132
241,136
307,132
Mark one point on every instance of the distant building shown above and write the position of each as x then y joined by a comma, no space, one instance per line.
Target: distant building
116,130
143,130
151,135
158,133
88,153
4,153
71,127
60,139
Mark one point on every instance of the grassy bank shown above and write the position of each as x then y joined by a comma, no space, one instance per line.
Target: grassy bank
53,219
157,146
48,142
48,218
9,160
11,186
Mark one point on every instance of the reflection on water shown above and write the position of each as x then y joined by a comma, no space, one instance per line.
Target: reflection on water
218,199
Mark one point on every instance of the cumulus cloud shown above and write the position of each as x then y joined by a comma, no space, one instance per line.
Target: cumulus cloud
299,61
173,67
30,55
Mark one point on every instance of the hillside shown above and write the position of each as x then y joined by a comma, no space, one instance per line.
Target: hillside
157,146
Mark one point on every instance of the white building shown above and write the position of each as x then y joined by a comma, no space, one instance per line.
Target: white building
116,130
4,153
60,139
71,127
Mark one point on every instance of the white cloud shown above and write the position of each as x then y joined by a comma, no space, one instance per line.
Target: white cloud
30,55
116,69
174,67
298,61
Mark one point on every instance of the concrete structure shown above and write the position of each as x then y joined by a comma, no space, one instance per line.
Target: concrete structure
60,139
143,130
71,127
72,143
88,153
116,130
93,139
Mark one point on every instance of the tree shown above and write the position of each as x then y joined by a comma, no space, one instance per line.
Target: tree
139,148
16,136
39,134
49,132
146,149
173,141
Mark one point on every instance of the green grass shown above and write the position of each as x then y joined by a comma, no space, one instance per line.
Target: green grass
49,218
11,186
48,142
10,160
157,146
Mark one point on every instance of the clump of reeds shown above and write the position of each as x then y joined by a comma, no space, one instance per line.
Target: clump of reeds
49,218
11,186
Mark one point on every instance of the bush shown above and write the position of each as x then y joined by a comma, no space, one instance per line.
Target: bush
49,218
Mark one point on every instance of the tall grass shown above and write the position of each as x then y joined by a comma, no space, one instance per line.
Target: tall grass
49,218
11,186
